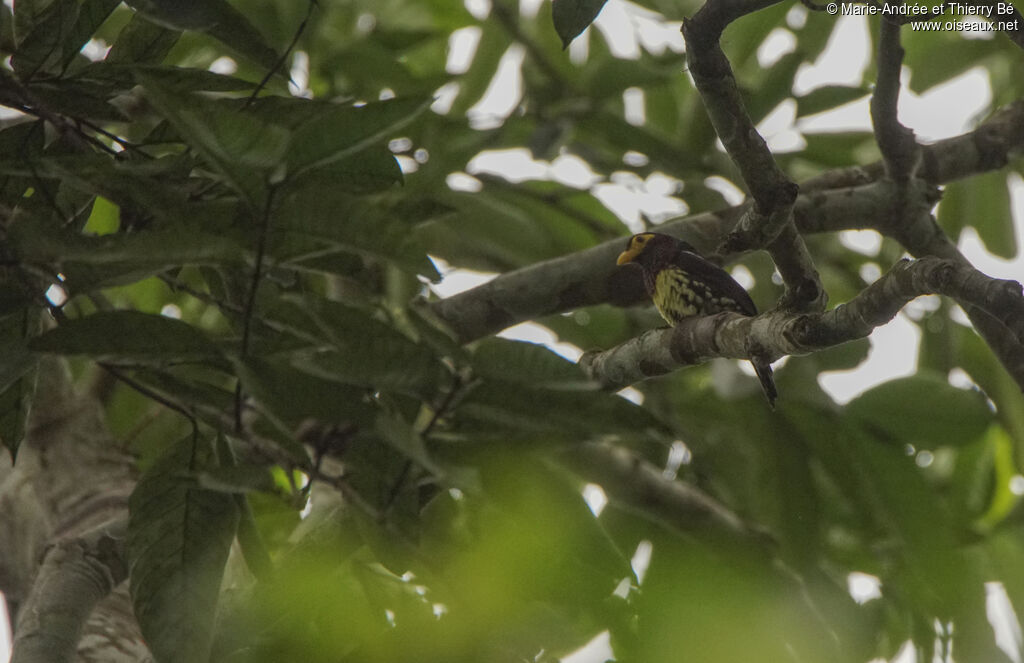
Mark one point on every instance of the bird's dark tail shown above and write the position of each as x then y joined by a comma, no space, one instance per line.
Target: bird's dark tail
764,374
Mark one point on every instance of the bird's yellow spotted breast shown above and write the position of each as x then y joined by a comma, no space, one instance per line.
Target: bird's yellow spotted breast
677,296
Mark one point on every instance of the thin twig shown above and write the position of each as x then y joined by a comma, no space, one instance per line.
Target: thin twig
896,142
250,303
284,56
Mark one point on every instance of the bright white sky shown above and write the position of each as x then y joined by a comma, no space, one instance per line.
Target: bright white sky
942,112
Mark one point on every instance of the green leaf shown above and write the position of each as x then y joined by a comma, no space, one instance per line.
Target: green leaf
41,49
773,86
179,537
23,142
146,184
91,16
981,202
474,82
573,16
366,352
127,335
971,481
89,262
238,479
372,226
1003,499
528,363
936,573
215,17
496,405
295,397
58,33
939,56
840,148
211,404
18,374
406,440
142,42
827,97
923,408
185,78
238,144
81,99
488,233
343,131
27,14
370,362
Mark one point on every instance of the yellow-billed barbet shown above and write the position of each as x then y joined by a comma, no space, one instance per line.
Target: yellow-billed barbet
682,284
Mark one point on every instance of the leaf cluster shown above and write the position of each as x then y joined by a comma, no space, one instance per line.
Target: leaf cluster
247,255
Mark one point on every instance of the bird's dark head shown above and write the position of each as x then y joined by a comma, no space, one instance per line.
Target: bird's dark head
651,250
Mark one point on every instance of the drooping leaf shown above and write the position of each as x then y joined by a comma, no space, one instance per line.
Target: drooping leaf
527,363
573,17
773,86
91,16
141,42
827,97
840,148
237,480
296,397
58,34
372,362
28,14
127,335
211,404
371,226
497,405
148,185
982,203
925,408
215,17
186,78
343,131
1004,468
88,262
473,83
942,55
18,373
22,142
360,350
76,98
41,48
179,536
239,145
406,440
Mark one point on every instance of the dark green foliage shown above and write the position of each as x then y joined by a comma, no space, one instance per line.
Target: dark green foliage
178,540
573,16
256,267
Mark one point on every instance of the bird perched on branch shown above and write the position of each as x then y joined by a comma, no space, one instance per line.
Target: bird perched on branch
683,284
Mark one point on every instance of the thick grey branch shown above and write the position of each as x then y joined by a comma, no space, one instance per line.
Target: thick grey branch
922,237
778,333
899,148
584,278
769,222
59,502
75,575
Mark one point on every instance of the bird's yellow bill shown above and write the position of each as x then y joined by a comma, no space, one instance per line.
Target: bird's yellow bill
629,255
636,245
